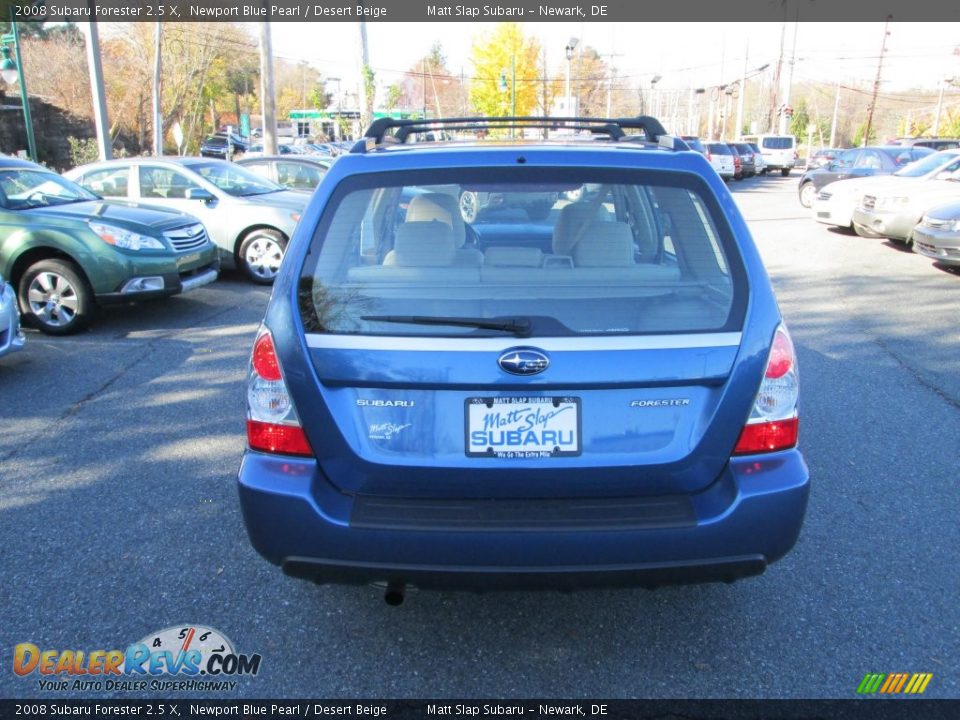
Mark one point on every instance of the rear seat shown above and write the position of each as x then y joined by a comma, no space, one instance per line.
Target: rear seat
425,252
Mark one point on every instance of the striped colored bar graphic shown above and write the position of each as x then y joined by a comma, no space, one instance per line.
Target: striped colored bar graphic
894,683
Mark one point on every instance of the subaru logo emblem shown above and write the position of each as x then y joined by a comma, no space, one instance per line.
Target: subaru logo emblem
523,361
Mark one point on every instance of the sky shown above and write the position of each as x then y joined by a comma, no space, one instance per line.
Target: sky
684,54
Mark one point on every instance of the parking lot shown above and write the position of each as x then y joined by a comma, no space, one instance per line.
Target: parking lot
119,513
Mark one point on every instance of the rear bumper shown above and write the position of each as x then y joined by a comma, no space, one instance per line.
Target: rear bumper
748,518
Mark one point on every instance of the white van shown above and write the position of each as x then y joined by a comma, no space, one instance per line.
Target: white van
779,151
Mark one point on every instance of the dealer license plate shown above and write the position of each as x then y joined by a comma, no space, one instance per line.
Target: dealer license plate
522,427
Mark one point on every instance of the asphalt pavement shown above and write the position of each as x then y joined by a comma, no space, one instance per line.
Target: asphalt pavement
119,514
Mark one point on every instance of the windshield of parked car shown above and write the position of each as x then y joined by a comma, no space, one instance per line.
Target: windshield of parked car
938,162
482,252
23,189
235,180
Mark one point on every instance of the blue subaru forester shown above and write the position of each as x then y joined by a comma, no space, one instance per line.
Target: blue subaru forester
503,363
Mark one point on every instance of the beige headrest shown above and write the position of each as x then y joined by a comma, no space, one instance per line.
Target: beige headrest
422,244
443,208
605,244
569,228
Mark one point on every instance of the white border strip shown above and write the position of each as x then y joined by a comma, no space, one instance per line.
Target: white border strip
550,344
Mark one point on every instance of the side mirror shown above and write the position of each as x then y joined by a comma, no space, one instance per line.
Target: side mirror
200,194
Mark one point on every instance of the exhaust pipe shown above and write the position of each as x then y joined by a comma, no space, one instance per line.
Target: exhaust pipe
395,593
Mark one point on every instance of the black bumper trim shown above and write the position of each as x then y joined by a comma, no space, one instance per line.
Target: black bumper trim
522,515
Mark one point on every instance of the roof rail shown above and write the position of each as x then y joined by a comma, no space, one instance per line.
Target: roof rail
379,132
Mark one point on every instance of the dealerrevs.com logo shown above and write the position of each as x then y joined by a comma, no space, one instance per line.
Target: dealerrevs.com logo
182,657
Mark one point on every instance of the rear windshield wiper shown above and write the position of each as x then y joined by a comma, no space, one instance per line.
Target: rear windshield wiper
518,326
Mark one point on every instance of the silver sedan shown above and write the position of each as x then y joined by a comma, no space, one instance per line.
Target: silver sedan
247,216
938,234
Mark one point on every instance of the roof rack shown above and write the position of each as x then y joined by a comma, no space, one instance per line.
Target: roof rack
379,132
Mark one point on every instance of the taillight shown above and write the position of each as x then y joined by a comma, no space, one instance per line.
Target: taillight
272,422
773,423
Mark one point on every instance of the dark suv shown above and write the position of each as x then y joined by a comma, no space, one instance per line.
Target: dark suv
223,146
604,397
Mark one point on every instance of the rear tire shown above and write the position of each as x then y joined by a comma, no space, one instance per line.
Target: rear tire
784,171
261,253
55,297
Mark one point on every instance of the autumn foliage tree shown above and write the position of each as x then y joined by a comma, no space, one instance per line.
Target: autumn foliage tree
506,57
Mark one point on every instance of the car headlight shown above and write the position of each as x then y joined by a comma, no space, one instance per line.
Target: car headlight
891,203
122,238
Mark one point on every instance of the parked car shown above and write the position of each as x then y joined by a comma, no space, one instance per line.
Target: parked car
477,204
821,157
619,408
746,159
894,209
857,163
721,158
248,217
256,150
223,146
11,337
836,202
779,151
301,172
737,162
66,250
938,234
936,143
761,164
695,143
322,149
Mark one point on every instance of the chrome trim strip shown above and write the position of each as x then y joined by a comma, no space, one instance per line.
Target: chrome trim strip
551,344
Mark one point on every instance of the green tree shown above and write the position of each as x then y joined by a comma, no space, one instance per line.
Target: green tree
494,59
858,135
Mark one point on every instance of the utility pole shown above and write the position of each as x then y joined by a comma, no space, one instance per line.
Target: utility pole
936,120
784,118
833,122
738,128
876,83
96,88
366,98
775,86
157,117
268,103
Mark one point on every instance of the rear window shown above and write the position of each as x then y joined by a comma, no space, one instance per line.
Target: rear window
778,143
589,253
720,149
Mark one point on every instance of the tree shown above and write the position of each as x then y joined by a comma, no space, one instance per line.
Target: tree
589,83
428,84
502,61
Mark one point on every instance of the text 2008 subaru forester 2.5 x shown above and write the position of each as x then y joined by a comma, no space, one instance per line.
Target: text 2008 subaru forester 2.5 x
604,396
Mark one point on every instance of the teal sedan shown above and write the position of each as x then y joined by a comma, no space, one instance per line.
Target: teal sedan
66,251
